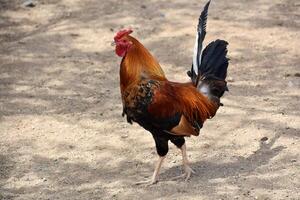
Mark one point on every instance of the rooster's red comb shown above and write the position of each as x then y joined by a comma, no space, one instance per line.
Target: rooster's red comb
122,33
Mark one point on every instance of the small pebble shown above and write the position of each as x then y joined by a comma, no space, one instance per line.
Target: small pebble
297,74
264,139
74,34
124,136
280,23
29,3
230,79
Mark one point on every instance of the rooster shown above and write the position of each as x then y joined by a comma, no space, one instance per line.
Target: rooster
170,111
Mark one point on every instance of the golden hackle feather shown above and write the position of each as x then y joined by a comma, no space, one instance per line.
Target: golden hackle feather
139,63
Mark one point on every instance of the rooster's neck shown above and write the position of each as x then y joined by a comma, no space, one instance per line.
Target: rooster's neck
138,63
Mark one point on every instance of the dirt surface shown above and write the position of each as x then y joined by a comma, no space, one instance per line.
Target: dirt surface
61,131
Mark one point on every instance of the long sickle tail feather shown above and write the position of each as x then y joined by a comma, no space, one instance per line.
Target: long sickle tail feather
209,68
200,35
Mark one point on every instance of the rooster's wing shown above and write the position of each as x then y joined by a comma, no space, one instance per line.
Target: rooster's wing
175,108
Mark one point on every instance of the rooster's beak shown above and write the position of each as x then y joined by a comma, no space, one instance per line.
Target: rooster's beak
113,43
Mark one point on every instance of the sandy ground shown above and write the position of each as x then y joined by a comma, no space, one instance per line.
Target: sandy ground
61,131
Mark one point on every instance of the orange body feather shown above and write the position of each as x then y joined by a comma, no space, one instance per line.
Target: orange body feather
181,97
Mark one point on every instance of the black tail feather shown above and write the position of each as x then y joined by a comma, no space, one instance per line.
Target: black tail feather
214,61
209,68
213,70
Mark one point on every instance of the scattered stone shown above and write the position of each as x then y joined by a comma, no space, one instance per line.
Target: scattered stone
297,74
74,34
264,139
162,15
280,23
230,79
124,136
29,3
293,160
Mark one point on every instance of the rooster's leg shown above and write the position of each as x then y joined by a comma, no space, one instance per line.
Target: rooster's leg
187,169
154,178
